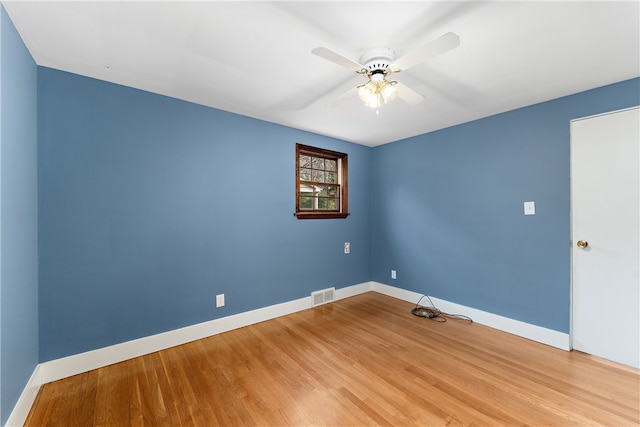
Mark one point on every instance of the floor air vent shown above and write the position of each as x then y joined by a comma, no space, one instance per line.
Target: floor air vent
322,297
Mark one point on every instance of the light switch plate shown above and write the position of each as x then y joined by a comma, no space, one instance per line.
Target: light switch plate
219,300
529,208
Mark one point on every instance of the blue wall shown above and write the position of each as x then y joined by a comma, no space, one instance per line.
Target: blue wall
150,206
447,209
18,217
148,209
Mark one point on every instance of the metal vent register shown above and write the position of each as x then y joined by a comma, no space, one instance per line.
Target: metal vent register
322,297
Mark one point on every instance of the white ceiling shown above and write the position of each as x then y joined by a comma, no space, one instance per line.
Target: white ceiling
254,58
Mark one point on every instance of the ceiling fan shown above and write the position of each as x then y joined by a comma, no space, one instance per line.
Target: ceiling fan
377,63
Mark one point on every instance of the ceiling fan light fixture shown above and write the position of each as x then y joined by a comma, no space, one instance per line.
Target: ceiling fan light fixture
363,92
377,77
369,95
374,93
389,91
373,101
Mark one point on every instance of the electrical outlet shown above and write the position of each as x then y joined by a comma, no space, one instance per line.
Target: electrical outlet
347,247
393,274
220,300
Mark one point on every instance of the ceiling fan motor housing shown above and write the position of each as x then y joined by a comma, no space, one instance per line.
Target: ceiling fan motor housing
377,60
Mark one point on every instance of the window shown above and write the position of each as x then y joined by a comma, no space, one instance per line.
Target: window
321,183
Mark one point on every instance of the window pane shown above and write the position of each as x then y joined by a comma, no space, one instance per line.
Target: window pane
306,202
305,161
317,176
318,163
327,204
331,177
305,188
331,165
305,174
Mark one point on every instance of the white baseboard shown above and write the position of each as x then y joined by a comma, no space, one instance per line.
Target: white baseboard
351,291
526,330
83,362
87,361
21,410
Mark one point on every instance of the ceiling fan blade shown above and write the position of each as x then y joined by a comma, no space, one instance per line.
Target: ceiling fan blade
340,99
336,58
440,45
408,95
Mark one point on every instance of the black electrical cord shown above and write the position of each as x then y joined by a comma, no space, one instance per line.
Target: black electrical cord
434,314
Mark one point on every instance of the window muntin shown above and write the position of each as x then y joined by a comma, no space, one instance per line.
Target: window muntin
321,183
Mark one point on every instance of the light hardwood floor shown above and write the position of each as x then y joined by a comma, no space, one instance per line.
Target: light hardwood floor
364,360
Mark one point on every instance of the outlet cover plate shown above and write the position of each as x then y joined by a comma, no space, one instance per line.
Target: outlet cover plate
220,300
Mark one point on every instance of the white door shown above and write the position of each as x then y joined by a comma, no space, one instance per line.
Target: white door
605,217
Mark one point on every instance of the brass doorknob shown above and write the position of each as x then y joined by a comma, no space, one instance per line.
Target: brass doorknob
582,244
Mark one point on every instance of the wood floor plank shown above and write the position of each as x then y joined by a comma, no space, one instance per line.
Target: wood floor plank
360,361
111,402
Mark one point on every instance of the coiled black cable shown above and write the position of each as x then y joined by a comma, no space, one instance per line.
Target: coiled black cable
434,314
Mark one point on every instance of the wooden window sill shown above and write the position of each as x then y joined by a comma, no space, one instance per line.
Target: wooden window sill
320,215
